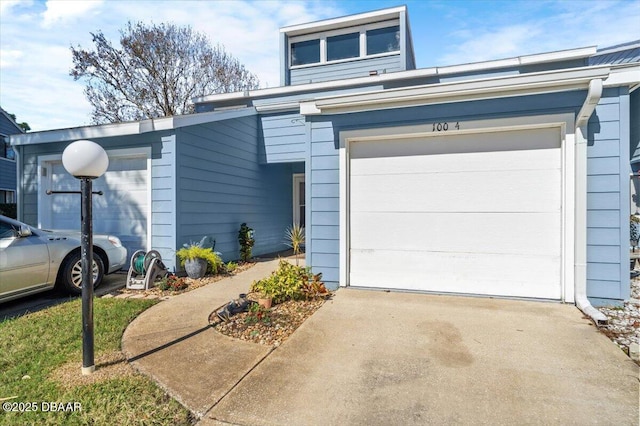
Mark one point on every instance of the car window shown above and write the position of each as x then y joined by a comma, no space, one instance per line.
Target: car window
6,230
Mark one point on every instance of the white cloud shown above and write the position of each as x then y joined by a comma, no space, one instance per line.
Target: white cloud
38,87
10,58
58,11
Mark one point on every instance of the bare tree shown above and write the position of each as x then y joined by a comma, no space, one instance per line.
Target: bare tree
156,72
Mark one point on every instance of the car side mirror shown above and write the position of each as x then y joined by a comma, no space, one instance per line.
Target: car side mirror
24,231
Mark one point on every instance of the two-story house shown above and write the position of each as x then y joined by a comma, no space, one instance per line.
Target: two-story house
502,178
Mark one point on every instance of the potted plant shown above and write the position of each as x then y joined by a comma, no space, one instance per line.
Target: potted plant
265,289
197,260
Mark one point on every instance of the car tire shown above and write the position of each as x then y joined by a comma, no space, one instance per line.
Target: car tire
72,273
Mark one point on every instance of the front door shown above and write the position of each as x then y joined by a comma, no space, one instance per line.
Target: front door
298,199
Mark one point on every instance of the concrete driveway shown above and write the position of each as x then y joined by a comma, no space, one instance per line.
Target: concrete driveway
377,358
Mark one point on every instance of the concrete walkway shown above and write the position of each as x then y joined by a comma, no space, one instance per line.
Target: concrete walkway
377,358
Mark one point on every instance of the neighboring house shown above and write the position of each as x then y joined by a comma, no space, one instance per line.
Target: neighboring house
504,178
8,127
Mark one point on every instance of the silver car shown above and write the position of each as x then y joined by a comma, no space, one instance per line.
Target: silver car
34,260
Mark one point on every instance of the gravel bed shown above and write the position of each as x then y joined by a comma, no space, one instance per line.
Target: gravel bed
624,322
192,284
278,324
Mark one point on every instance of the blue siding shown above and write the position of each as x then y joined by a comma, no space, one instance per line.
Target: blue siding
350,69
607,154
283,138
323,204
221,184
8,126
163,204
607,213
159,184
7,175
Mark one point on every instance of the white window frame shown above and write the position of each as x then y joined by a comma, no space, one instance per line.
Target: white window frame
297,179
322,36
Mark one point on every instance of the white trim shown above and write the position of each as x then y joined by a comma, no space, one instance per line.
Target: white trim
129,128
296,180
344,170
534,83
344,21
565,122
395,76
7,159
627,76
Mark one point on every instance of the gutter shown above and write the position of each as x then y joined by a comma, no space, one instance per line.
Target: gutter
593,97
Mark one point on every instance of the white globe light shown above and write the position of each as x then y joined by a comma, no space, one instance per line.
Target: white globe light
85,158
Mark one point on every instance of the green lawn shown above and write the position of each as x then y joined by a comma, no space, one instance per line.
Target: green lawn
38,357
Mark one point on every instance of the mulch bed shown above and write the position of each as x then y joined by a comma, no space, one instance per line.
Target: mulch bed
280,322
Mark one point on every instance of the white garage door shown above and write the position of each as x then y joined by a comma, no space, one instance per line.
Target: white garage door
121,211
477,214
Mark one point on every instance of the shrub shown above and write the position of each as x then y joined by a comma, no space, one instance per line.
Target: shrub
172,282
231,267
258,314
290,282
246,240
194,251
294,238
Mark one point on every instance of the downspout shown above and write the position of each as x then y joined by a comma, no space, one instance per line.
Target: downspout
593,97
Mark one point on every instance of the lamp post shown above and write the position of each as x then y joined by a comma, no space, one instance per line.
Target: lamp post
86,160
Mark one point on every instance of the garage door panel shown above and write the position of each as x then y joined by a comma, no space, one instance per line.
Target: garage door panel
486,142
121,211
519,276
464,191
483,232
467,162
467,213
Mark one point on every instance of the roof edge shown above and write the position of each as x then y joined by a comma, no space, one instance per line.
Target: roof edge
127,128
538,58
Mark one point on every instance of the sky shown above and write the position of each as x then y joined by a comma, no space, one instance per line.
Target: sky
36,35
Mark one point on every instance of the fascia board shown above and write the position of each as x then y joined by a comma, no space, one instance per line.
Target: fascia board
627,76
335,84
451,92
560,55
403,75
127,129
341,22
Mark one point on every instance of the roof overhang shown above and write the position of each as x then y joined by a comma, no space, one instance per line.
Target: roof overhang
344,21
128,128
541,58
486,88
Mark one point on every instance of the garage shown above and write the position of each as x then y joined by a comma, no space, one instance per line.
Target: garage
123,210
477,213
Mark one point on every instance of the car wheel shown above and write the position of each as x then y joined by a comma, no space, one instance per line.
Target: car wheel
72,273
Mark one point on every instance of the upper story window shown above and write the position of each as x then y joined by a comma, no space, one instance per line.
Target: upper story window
305,52
343,46
381,38
6,150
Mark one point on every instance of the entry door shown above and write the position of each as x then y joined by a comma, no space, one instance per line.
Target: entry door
477,214
299,199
